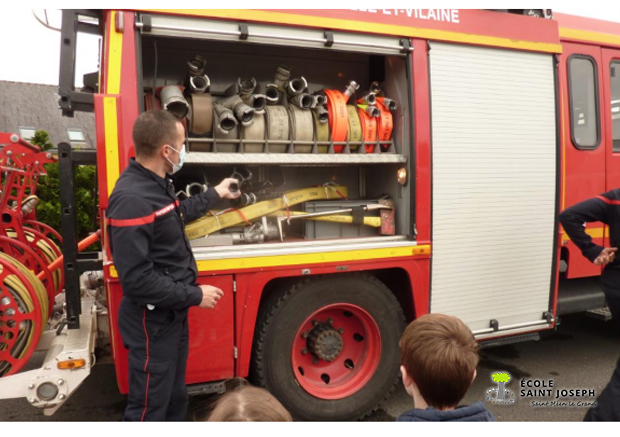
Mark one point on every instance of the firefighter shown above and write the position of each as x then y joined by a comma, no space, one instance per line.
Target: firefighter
157,268
606,209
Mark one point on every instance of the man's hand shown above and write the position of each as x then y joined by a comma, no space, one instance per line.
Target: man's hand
223,189
210,296
607,256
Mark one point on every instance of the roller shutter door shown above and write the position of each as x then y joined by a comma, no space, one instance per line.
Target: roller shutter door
494,185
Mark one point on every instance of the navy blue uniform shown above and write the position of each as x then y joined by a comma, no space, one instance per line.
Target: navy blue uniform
606,209
158,273
467,413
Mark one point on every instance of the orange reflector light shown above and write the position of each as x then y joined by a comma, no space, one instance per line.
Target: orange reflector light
71,364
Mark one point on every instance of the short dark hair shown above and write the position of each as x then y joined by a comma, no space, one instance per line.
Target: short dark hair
152,130
440,354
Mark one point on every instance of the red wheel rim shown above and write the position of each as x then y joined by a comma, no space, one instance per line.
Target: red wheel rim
336,350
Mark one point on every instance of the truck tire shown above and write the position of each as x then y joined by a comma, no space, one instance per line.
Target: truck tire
327,347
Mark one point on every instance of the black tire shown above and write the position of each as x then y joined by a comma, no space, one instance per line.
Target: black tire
279,319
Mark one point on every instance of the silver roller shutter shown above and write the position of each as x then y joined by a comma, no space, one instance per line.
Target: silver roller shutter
494,185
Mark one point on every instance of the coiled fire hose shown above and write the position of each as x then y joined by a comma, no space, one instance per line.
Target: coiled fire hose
23,318
385,122
48,249
24,304
225,219
354,134
278,127
201,116
254,132
369,129
338,119
302,124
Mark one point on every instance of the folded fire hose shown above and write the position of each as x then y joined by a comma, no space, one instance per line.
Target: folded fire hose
209,224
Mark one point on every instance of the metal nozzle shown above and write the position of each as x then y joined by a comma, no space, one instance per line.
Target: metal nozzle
375,88
199,84
172,99
246,86
320,100
296,86
373,111
389,103
196,65
322,114
303,100
272,94
369,99
283,74
256,101
351,88
243,112
227,120
29,205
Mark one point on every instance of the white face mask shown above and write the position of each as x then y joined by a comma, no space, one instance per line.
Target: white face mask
176,167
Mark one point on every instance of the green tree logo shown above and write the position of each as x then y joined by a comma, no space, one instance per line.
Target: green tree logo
501,378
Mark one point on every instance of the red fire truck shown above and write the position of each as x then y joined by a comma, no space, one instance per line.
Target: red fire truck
445,199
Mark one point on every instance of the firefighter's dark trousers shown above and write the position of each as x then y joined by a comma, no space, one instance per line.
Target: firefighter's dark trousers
608,402
158,345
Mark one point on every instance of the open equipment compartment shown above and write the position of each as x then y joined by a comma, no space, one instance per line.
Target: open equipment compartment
239,50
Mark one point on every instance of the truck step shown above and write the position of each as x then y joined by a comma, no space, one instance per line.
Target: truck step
534,336
600,314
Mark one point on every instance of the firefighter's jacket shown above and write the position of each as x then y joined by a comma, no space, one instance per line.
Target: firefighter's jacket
151,252
606,209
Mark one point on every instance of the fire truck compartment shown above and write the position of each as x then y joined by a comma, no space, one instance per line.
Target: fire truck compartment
169,44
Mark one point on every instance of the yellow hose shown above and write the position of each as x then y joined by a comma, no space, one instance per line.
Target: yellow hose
29,332
48,252
209,224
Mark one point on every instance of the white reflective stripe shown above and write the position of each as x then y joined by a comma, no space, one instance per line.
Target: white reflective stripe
494,184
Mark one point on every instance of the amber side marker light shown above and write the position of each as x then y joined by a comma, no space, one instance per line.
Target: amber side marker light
401,176
71,364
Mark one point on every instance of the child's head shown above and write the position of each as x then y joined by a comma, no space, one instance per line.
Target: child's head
249,404
439,355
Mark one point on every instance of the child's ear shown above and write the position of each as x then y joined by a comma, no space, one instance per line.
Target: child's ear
474,377
406,378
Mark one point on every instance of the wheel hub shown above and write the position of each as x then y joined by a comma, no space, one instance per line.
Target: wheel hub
325,342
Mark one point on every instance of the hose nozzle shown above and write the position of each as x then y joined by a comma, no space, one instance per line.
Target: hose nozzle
272,94
172,100
369,99
296,86
375,88
246,86
322,114
226,118
373,111
388,103
256,101
282,75
199,84
29,205
320,100
196,66
243,112
303,101
351,88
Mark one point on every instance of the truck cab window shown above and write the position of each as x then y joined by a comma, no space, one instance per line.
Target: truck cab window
583,86
614,74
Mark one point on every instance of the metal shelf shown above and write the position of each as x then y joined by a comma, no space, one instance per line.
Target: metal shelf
287,152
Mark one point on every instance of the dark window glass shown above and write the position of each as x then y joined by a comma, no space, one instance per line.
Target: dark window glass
583,103
614,73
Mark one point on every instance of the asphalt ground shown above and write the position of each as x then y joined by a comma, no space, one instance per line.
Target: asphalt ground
580,354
